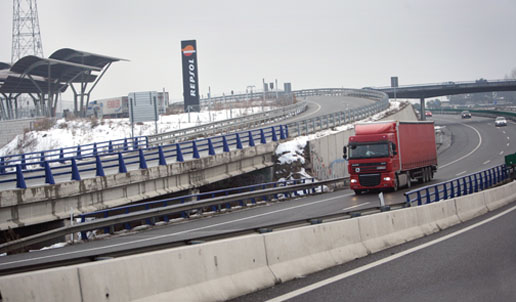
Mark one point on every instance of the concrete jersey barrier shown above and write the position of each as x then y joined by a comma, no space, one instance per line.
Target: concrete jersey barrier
224,269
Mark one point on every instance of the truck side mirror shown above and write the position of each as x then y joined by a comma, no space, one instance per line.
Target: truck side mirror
394,149
345,152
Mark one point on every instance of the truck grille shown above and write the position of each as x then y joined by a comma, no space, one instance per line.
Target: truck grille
369,180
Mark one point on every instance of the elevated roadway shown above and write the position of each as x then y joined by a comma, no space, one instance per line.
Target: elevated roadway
475,145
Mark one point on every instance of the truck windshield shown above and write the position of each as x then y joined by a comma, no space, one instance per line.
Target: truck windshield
368,150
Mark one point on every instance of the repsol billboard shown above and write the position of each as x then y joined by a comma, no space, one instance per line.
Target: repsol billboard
190,76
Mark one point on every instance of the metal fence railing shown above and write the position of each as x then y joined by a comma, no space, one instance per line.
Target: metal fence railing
162,212
456,187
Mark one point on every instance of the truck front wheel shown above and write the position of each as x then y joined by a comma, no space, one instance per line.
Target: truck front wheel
358,192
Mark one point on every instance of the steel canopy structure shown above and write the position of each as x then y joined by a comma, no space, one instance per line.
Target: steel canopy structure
45,78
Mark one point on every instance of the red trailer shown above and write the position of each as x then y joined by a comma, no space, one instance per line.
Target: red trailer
391,154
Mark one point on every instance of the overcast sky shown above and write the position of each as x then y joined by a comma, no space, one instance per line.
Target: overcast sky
312,44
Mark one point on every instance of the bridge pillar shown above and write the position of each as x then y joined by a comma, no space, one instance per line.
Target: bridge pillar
422,111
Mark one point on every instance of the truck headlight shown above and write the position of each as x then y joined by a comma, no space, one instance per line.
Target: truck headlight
387,178
353,181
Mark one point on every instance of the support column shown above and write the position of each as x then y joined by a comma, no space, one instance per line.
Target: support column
422,116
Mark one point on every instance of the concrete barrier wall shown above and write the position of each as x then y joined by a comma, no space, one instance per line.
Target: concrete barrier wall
470,206
224,269
297,252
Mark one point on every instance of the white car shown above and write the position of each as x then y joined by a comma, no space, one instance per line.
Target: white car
500,121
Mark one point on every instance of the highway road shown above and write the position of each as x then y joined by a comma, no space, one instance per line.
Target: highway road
317,105
473,143
473,261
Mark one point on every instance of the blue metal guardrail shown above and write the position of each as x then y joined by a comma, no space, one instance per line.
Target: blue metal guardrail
195,197
74,165
79,152
456,187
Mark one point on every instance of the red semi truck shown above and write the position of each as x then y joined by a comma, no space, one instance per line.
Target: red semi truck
391,154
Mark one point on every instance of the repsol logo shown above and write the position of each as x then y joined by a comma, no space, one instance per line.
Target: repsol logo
192,80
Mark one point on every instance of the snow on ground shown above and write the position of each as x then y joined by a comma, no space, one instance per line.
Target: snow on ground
83,131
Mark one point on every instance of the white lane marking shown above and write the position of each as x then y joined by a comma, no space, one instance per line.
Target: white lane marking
358,205
503,131
486,162
179,233
501,152
508,138
358,270
508,144
458,174
472,151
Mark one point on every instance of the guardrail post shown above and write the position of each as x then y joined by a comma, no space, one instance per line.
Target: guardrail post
465,186
143,163
110,147
95,151
419,202
162,160
238,141
23,162
211,150
286,131
84,235
42,159
99,169
407,199
2,165
427,191
49,178
445,192
436,191
481,181
20,181
61,156
78,152
470,184
75,170
135,143
146,142
274,137
251,140
262,137
121,164
179,154
225,146
489,178
125,144
194,150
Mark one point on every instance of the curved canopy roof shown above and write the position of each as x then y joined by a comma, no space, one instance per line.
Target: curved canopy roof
61,71
32,74
82,57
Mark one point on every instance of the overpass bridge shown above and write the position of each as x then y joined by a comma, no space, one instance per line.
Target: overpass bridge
424,91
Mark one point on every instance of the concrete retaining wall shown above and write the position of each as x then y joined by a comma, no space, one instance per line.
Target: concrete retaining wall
224,269
11,128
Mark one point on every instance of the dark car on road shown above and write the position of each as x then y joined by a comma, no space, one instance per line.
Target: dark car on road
465,114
